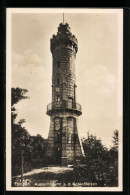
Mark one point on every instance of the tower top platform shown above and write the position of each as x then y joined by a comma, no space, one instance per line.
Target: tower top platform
64,28
63,38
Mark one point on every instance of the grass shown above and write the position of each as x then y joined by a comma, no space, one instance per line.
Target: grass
49,179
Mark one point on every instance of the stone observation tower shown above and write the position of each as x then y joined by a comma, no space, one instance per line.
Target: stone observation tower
63,141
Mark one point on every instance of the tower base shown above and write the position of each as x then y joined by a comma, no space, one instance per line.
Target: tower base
64,161
64,146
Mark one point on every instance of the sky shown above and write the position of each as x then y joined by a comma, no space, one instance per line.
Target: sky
97,67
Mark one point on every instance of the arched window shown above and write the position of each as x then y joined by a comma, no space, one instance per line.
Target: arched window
57,123
58,98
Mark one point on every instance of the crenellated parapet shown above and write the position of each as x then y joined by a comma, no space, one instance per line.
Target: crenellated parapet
64,39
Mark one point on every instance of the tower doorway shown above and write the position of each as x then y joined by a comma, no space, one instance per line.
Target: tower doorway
58,140
58,156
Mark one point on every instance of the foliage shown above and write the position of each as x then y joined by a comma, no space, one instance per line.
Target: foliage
38,151
18,94
20,143
31,148
20,136
113,155
100,163
115,141
94,150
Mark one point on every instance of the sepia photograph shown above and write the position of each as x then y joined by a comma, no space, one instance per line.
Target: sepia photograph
64,99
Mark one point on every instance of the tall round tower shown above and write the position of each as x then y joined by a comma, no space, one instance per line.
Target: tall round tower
63,141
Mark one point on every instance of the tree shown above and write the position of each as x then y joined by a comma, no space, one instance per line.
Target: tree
38,150
32,148
94,149
18,94
114,148
115,139
113,160
20,136
96,160
102,162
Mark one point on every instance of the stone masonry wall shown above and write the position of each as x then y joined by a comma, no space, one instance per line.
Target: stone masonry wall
64,73
71,147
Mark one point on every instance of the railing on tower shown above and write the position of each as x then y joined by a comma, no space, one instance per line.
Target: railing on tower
64,105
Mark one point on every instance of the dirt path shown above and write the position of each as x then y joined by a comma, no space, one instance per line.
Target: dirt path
47,170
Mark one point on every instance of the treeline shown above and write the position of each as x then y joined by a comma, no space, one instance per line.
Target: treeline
30,149
100,164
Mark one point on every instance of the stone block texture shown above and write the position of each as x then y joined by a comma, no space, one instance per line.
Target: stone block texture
64,146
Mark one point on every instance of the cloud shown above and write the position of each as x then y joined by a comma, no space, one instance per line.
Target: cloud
16,58
97,90
31,59
27,59
26,67
28,72
98,80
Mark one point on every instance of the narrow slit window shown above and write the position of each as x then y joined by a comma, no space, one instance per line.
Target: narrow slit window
58,98
58,135
58,81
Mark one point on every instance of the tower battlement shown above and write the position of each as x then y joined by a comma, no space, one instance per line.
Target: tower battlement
64,39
